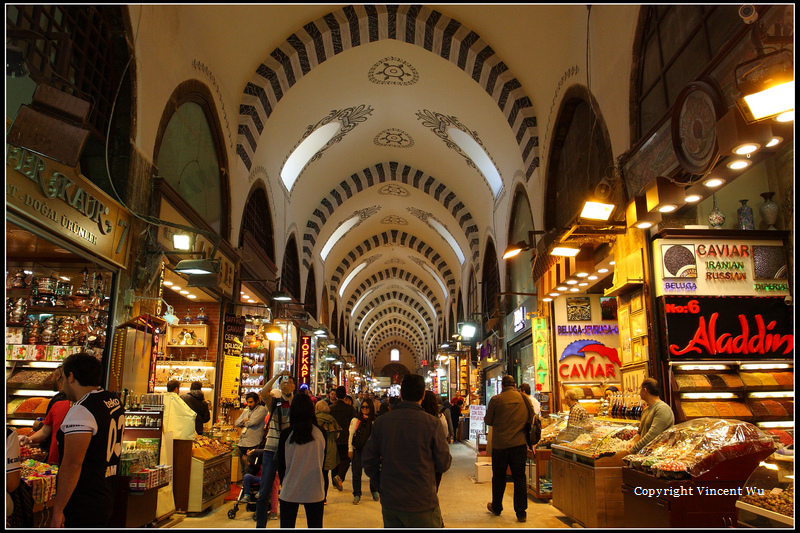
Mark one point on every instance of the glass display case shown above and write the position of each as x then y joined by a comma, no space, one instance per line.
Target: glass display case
551,427
598,439
697,446
767,498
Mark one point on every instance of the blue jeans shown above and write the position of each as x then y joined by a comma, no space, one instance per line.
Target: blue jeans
515,458
268,470
357,470
247,481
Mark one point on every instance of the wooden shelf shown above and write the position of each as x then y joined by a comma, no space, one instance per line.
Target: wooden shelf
763,235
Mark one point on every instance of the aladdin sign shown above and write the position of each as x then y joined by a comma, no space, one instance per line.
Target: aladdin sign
728,326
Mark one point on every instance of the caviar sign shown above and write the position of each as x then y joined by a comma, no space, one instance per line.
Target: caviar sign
723,327
305,360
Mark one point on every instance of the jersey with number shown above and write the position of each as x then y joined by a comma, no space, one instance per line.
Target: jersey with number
101,414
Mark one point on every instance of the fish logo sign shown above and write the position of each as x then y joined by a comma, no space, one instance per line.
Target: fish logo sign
580,348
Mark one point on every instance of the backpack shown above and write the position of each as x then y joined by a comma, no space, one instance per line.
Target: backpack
361,435
536,431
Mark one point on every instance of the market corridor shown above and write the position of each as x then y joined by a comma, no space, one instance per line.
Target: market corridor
463,505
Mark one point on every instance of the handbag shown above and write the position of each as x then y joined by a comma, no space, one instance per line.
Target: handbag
529,424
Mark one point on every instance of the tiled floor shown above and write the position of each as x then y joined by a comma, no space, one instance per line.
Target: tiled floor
463,505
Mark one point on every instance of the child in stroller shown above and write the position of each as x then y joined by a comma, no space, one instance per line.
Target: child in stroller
251,482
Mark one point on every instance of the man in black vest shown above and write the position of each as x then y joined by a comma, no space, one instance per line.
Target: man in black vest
343,413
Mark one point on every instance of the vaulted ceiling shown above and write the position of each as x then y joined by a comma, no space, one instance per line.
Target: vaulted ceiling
393,212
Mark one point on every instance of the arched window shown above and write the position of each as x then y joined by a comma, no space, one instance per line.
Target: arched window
518,269
187,159
677,43
290,273
311,294
257,221
491,283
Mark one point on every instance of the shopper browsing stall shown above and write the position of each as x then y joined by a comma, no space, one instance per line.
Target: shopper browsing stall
655,419
252,423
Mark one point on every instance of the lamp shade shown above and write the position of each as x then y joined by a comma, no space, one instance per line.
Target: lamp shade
273,333
766,84
565,250
281,296
664,196
514,249
197,266
637,215
468,329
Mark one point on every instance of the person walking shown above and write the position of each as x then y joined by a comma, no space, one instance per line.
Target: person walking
252,423
90,445
507,414
197,401
343,413
360,431
300,459
430,404
332,429
279,418
526,390
455,410
405,451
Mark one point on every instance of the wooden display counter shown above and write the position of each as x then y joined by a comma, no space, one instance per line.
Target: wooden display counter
586,489
210,482
541,469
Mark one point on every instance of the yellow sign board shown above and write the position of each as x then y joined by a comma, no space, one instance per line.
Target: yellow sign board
57,197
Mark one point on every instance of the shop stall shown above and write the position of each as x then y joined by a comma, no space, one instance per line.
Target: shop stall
587,472
63,256
767,499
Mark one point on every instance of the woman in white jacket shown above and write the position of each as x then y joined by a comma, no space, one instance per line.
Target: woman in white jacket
360,430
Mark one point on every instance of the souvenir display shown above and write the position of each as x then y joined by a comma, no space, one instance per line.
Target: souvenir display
694,447
551,432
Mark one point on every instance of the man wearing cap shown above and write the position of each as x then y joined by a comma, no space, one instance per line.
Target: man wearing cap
507,414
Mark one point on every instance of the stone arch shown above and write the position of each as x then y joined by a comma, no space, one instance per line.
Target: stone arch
383,173
408,315
398,298
394,274
400,238
352,26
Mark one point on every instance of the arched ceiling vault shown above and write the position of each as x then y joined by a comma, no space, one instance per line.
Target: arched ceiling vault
392,210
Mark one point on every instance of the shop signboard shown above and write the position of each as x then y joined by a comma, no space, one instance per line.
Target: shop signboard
232,344
60,199
587,342
727,267
720,327
541,354
476,415
304,366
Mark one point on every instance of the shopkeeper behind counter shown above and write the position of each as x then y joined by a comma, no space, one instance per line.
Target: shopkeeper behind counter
655,419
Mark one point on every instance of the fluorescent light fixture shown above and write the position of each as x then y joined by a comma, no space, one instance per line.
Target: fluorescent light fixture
592,277
574,289
597,210
321,332
176,288
572,282
702,367
184,292
468,329
602,270
553,294
181,241
305,151
772,394
774,141
34,393
713,182
281,296
774,425
765,366
561,288
738,164
708,395
565,250
478,156
197,266
332,345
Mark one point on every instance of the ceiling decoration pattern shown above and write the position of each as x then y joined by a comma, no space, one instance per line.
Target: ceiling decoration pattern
393,138
351,26
348,119
398,328
439,123
395,299
394,220
394,273
393,331
394,190
399,238
394,310
393,71
382,173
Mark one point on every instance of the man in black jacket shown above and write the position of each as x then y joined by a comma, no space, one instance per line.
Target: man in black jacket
195,399
343,414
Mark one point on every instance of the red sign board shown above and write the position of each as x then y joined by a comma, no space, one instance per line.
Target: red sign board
304,369
424,362
742,327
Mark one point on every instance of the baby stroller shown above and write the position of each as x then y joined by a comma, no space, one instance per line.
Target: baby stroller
250,498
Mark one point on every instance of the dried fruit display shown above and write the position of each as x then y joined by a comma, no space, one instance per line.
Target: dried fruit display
550,432
31,377
29,405
599,440
699,445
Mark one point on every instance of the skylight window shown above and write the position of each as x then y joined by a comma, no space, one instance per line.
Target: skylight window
430,271
347,281
338,234
475,152
395,354
307,149
448,238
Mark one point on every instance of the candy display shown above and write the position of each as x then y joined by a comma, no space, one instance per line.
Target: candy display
550,433
41,478
206,448
696,446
